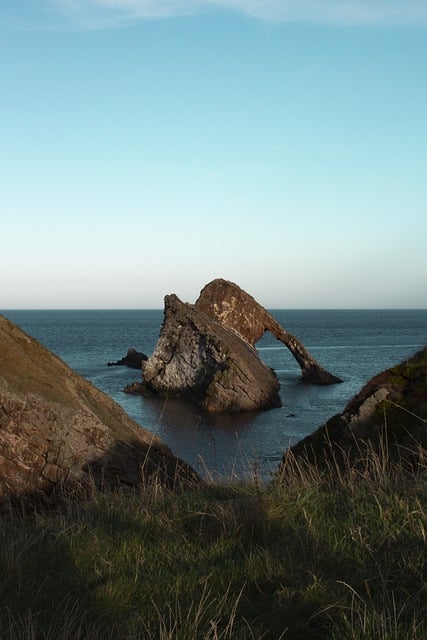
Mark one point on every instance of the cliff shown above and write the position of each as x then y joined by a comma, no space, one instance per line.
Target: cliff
388,416
56,428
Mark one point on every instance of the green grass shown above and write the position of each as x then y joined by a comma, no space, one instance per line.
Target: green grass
332,553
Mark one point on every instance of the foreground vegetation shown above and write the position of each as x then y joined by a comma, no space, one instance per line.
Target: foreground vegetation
336,554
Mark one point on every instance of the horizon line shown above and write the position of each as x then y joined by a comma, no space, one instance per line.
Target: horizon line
267,307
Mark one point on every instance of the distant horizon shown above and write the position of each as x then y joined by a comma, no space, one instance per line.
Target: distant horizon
268,308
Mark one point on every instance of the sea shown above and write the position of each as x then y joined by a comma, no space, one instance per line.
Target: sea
352,344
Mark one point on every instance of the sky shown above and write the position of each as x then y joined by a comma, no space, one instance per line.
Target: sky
150,146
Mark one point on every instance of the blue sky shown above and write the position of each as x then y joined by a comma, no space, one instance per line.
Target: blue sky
148,147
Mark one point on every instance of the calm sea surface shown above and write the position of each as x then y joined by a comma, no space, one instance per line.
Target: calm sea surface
354,345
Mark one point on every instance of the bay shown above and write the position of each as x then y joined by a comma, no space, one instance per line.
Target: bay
353,344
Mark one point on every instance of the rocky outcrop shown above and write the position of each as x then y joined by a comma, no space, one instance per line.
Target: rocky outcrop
57,429
198,359
241,313
388,415
132,359
205,353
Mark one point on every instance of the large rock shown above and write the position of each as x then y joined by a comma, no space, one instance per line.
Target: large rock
198,359
205,353
388,416
56,428
241,313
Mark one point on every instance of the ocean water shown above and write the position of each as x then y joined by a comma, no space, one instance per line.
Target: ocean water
355,345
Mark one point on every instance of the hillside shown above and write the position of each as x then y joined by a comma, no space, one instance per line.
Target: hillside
56,427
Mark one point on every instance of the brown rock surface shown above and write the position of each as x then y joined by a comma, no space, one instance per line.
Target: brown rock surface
198,359
56,427
241,313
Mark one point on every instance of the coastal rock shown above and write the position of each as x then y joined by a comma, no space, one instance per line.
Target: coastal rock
388,415
198,359
57,429
205,353
132,359
241,313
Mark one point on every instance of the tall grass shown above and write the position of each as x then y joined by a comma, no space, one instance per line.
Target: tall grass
334,552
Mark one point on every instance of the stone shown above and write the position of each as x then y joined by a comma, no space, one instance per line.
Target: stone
57,429
132,359
197,358
241,313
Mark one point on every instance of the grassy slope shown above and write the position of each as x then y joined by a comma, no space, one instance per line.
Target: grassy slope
26,367
319,557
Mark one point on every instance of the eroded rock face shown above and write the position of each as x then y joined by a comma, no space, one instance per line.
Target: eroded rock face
388,415
205,353
198,359
57,428
241,313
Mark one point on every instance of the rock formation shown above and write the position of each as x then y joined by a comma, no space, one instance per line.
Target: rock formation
241,313
132,359
205,353
198,359
388,415
56,428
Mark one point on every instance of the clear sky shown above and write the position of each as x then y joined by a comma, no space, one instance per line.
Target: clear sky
149,146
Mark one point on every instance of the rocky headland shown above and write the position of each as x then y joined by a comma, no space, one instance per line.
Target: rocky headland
388,417
57,429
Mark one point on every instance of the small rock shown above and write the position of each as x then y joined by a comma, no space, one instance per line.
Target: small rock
132,359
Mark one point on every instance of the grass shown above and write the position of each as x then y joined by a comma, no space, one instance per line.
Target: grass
334,553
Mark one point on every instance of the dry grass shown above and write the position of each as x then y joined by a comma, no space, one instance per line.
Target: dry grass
331,552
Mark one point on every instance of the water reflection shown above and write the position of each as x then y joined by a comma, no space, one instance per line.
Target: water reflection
231,445
215,444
